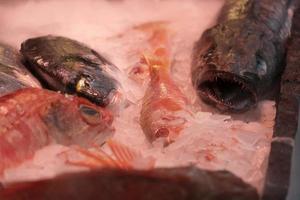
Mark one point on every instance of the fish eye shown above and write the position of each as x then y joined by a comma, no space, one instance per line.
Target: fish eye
90,115
261,65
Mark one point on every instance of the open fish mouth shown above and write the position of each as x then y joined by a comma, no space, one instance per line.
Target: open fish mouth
227,91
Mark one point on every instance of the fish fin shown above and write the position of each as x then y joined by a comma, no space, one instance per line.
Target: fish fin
129,157
125,157
123,154
92,159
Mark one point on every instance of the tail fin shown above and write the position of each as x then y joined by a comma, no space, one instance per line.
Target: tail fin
158,30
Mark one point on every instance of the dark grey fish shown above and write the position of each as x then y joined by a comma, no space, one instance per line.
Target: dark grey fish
187,183
13,75
237,62
71,67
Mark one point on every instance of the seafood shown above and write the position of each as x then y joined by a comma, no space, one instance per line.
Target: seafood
32,118
13,75
69,66
237,62
187,183
163,104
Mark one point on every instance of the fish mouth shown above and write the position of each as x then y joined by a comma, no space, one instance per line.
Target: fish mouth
227,91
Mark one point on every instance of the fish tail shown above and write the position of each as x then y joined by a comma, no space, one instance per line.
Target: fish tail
159,40
158,30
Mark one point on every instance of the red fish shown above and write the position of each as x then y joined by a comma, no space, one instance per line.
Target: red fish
163,103
32,118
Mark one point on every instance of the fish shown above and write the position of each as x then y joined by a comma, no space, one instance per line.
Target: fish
13,74
32,118
164,106
72,67
181,183
237,62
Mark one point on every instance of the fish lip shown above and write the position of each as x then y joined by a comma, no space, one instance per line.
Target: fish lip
242,83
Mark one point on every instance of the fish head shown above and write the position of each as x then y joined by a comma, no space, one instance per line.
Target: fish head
234,65
99,88
163,126
74,120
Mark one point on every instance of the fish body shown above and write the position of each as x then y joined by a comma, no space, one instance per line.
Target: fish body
69,66
32,118
163,102
13,75
236,62
187,183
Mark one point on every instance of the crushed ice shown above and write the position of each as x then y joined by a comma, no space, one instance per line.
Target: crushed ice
239,143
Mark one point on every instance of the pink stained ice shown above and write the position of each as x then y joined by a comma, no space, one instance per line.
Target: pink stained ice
240,144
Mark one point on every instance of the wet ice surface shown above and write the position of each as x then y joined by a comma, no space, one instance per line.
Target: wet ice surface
211,140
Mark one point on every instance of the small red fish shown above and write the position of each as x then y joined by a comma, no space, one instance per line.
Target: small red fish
163,103
32,118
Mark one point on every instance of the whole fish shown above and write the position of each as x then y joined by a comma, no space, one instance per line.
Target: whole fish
164,105
31,118
237,62
13,75
72,67
186,183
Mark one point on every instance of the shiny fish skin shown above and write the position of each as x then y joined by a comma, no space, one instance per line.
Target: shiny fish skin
186,183
69,66
13,75
237,62
32,118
